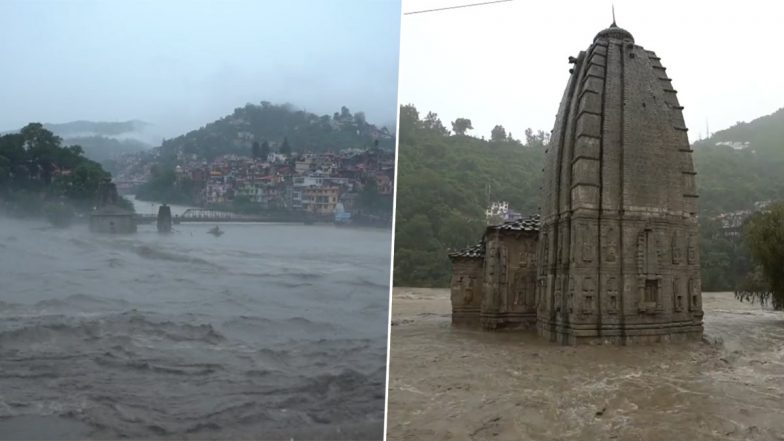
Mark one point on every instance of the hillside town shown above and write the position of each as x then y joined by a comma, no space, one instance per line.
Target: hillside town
339,186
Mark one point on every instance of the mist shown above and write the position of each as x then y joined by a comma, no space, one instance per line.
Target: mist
178,65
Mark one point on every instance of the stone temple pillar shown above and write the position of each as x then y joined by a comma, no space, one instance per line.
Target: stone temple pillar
618,257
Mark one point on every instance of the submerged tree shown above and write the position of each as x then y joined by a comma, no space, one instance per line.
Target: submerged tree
764,236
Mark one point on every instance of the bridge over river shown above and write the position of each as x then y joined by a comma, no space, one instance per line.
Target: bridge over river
217,216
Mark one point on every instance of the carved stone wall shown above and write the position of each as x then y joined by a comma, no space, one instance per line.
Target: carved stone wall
618,255
510,278
466,289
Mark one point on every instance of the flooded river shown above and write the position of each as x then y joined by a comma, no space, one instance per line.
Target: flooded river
460,384
270,330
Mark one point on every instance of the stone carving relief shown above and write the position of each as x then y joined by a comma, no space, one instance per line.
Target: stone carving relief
610,242
612,295
649,257
677,295
519,288
503,266
692,249
648,253
676,248
570,299
694,295
586,242
589,294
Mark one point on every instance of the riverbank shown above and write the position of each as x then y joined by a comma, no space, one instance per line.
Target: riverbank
451,383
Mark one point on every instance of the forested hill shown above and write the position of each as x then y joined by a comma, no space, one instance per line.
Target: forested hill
103,141
444,178
741,165
444,184
303,131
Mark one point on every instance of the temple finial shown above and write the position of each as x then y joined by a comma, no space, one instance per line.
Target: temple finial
613,12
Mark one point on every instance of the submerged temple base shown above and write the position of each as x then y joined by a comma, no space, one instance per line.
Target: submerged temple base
653,333
614,257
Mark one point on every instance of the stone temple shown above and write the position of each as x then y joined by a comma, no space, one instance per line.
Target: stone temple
617,256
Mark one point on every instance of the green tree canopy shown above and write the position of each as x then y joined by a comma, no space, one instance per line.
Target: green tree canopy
498,133
764,236
265,149
35,166
285,148
461,125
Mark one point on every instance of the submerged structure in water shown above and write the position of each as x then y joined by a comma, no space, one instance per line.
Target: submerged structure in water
618,258
109,217
164,219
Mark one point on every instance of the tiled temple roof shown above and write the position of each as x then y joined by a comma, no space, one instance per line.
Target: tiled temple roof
476,251
530,223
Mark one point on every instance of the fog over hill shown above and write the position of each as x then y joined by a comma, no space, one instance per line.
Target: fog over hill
741,165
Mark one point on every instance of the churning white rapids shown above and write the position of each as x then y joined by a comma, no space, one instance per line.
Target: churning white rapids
268,331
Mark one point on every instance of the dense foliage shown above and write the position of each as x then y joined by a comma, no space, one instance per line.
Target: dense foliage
444,180
444,185
733,179
764,237
164,186
283,127
40,176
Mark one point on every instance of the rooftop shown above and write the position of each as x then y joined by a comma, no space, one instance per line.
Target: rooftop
530,223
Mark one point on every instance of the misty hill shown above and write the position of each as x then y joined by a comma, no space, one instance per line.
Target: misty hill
103,149
303,130
741,165
102,141
96,128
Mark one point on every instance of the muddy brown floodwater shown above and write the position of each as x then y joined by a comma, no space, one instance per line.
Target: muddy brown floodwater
452,384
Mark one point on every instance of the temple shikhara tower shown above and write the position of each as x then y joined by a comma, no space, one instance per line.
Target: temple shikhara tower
617,245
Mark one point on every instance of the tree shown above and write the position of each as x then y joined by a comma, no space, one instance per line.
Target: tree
498,133
256,150
265,149
409,123
285,148
434,124
764,236
539,139
461,125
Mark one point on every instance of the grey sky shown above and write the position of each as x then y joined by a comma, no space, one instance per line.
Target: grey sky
507,63
182,64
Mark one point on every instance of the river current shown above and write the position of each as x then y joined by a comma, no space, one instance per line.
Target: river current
268,331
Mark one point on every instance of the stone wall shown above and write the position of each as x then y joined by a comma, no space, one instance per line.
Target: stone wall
618,255
509,279
466,289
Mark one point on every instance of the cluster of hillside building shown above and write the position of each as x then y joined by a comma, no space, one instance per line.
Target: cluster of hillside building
322,184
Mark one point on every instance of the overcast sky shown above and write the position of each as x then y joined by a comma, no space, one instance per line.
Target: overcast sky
507,63
181,64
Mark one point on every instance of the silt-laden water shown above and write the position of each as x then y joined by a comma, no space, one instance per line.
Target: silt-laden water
268,331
